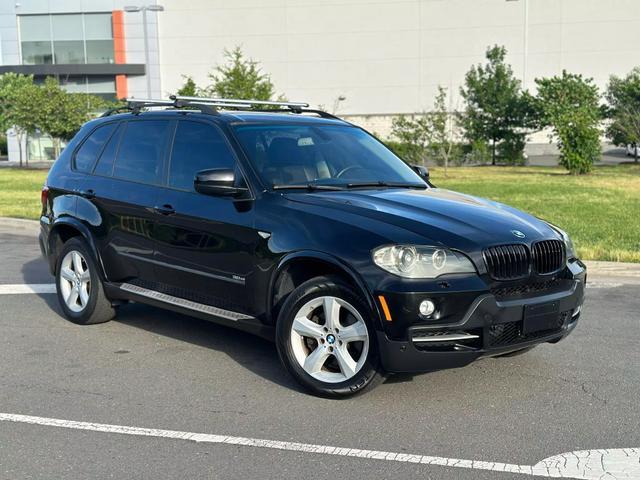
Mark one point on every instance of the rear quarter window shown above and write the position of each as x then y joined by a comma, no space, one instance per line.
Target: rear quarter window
90,149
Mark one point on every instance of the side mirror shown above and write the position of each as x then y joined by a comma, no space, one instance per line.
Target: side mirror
422,171
218,182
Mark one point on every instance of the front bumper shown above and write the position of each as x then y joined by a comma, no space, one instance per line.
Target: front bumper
490,327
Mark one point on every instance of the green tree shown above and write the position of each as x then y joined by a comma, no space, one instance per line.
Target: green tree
623,96
411,133
569,104
61,114
189,89
440,135
429,134
496,109
18,106
239,78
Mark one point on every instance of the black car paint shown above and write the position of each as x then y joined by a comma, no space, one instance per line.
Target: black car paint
229,252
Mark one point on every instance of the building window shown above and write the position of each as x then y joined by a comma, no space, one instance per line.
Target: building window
99,85
66,38
35,36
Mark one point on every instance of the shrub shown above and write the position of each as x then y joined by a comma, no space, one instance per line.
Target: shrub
569,105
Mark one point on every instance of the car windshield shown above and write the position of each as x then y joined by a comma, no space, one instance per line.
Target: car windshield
323,157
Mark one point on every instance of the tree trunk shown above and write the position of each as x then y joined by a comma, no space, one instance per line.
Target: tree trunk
635,153
493,152
19,137
446,164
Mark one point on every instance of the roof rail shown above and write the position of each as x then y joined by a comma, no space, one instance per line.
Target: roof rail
210,105
233,102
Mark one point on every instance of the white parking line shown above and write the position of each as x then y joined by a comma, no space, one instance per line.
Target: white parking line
615,464
23,288
591,284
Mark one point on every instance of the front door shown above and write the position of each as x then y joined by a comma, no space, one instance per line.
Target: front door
205,244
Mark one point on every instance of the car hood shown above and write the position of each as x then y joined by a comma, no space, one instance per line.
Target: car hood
440,216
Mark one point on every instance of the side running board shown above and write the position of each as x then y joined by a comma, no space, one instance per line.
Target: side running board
181,302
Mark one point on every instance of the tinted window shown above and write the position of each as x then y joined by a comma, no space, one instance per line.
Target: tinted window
105,163
141,151
326,154
197,146
90,149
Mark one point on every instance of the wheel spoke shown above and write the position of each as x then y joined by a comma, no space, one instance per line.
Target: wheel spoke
85,276
305,327
331,312
77,263
347,364
354,333
67,274
72,299
315,361
84,294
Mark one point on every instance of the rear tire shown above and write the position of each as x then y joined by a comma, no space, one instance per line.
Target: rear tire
78,285
330,354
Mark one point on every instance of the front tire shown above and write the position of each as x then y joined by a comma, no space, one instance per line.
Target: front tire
78,285
325,339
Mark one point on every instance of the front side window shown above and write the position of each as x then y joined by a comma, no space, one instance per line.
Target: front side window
332,155
141,151
92,146
197,146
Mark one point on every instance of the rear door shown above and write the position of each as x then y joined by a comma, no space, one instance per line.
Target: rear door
205,244
131,168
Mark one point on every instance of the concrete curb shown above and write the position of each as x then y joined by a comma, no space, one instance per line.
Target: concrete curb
20,225
596,268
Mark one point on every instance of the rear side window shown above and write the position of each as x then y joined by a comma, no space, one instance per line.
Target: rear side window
88,153
108,155
197,146
141,151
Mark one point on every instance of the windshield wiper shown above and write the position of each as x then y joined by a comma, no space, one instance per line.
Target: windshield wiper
387,184
307,186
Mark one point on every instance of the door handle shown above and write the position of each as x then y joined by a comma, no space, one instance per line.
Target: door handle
164,209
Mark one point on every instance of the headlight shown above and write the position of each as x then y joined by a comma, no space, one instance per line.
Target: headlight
415,261
568,244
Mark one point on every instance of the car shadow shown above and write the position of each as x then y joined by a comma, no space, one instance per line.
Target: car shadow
251,352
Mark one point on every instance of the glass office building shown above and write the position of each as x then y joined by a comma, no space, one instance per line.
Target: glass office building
71,39
91,47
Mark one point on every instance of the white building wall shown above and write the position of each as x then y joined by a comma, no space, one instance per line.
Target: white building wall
389,56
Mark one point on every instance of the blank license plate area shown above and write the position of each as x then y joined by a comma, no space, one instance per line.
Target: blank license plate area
541,317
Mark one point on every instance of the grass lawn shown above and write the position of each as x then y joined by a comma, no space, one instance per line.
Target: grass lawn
601,211
20,192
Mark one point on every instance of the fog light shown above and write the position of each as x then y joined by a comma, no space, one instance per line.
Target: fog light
427,307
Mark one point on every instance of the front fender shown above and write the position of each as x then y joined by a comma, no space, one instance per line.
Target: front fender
335,262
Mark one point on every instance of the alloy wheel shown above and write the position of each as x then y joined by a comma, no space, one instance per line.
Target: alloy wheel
75,281
329,339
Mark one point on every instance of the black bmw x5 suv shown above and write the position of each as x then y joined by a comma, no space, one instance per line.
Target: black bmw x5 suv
300,227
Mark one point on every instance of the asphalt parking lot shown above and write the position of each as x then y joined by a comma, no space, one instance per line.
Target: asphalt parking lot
98,390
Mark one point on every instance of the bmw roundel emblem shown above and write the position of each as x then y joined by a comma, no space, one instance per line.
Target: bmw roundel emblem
518,233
